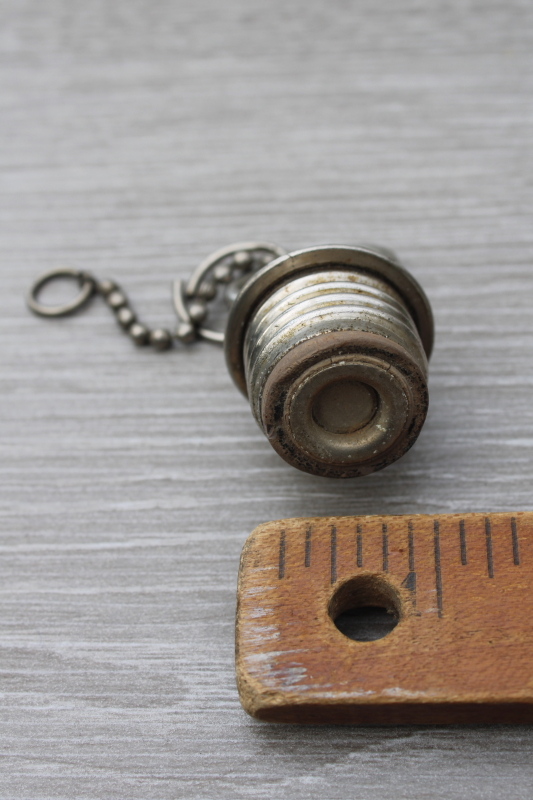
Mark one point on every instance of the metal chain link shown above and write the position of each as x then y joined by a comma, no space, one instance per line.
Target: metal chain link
228,267
158,338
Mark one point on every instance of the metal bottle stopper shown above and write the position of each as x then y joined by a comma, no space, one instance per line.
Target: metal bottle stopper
329,344
331,347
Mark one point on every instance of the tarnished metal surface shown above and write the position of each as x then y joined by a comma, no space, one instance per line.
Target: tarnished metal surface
333,361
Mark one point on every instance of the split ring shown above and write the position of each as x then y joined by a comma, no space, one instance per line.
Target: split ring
87,288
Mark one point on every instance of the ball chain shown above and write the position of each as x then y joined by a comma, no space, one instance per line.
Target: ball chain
227,270
158,338
222,274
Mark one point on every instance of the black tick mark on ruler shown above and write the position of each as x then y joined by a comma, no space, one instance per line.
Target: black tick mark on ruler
438,576
462,542
516,551
307,557
410,580
281,570
488,542
385,548
359,553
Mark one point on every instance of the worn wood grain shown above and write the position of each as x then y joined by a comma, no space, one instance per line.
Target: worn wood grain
137,137
461,650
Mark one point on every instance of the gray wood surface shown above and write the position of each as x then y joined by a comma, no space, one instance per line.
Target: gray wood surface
136,137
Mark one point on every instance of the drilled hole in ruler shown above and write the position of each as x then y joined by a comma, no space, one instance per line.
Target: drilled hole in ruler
365,608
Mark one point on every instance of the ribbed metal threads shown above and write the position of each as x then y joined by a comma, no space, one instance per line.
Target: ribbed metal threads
317,303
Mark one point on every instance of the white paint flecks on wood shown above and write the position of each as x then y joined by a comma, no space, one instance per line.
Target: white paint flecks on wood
136,137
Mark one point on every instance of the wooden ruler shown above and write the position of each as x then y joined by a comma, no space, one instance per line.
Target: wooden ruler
461,587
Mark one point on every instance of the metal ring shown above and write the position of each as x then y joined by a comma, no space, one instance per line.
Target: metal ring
183,292
211,261
86,283
215,337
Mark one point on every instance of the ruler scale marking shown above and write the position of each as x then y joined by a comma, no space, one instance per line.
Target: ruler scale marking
462,542
385,548
359,553
472,664
410,581
281,556
488,543
307,556
516,550
438,573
